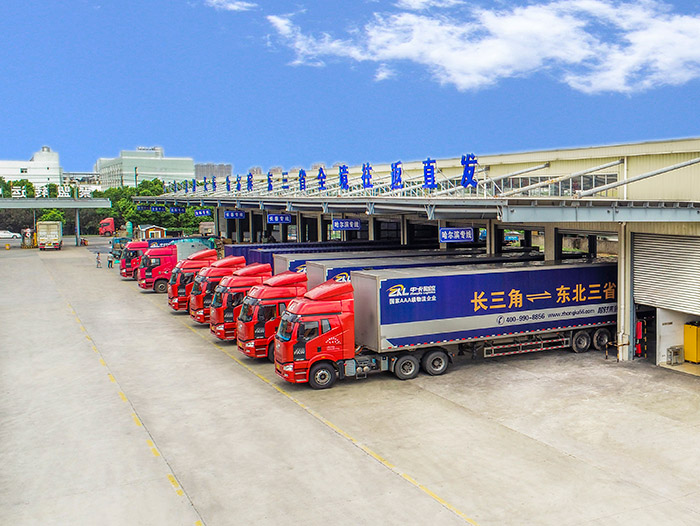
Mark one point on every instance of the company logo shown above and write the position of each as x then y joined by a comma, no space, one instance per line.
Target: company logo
333,340
301,269
343,277
397,290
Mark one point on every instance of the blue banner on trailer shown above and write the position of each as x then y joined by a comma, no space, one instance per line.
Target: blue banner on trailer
456,235
234,214
497,302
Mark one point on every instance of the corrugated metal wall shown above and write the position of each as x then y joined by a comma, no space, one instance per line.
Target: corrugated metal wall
666,272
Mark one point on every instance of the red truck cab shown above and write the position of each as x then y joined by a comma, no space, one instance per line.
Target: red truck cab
182,277
228,298
206,281
107,227
261,312
156,268
316,332
131,258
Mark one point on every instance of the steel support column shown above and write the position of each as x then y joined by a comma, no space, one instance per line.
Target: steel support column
625,303
77,227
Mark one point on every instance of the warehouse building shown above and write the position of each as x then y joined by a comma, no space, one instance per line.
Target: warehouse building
644,195
144,163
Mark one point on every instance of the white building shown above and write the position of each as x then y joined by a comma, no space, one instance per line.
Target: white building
43,168
144,163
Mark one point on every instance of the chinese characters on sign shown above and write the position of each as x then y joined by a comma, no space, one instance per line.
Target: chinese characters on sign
367,175
158,208
469,162
269,181
279,219
346,224
238,182
249,184
234,214
213,183
321,178
429,173
205,185
302,180
177,209
396,173
142,208
454,235
228,183
202,212
564,295
19,192
64,191
343,176
399,294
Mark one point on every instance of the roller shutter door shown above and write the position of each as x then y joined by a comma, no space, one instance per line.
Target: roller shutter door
666,272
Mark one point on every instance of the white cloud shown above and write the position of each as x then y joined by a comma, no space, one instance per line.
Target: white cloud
384,72
419,5
231,5
591,45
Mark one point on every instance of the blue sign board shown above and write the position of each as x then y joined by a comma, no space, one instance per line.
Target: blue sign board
234,214
142,208
279,219
203,212
456,235
177,209
346,224
158,208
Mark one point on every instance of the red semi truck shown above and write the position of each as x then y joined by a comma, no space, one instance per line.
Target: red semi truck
206,281
157,263
228,298
261,311
131,258
420,318
182,277
107,227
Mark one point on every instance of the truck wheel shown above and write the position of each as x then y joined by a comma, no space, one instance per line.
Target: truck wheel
406,367
601,339
581,341
271,351
161,286
435,363
322,375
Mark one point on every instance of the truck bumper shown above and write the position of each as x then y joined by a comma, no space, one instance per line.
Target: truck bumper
292,375
177,303
125,273
200,315
255,351
224,331
146,284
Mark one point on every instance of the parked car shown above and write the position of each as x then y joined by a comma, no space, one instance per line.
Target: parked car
6,234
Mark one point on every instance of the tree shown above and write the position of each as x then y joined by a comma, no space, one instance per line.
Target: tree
53,214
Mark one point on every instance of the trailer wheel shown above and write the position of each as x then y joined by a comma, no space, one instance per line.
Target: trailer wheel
322,375
601,339
271,351
161,286
581,341
406,367
435,362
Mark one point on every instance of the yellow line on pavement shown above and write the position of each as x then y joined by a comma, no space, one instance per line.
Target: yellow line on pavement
136,419
123,397
334,427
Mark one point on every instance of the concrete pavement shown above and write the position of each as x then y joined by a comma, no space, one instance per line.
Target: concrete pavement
116,410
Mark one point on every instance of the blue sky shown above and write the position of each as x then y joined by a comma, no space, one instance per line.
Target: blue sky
267,83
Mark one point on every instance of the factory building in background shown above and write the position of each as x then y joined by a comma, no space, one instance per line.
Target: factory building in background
144,163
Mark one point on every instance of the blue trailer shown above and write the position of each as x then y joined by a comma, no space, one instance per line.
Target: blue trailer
494,310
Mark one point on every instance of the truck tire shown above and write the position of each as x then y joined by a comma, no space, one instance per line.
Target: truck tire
271,351
406,367
322,375
435,362
161,286
581,341
601,339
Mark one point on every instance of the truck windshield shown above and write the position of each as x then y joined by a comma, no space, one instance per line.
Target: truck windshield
174,276
287,324
217,298
235,299
248,309
197,288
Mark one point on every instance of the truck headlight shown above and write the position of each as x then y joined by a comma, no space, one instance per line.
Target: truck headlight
288,368
250,344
